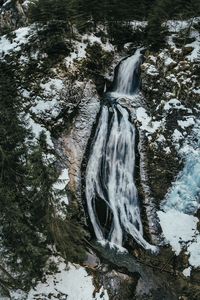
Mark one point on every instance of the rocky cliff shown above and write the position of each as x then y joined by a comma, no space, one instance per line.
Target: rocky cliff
61,96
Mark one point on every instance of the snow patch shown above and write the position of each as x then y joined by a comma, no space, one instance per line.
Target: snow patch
146,121
37,129
61,184
176,137
188,122
194,55
72,282
174,26
169,61
53,86
80,48
178,228
22,36
43,107
194,250
173,103
187,272
152,71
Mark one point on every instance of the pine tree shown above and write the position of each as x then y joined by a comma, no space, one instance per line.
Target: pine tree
27,196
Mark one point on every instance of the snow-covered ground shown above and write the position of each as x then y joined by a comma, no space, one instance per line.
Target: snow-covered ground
80,48
146,122
21,37
71,282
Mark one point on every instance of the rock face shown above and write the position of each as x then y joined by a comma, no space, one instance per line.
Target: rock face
75,139
66,109
169,82
13,14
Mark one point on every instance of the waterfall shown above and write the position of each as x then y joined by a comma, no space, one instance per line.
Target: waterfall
127,81
110,184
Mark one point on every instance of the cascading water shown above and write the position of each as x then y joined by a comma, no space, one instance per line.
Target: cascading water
127,80
110,170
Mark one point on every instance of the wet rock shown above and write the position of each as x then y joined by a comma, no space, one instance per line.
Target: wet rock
195,275
119,285
187,50
92,261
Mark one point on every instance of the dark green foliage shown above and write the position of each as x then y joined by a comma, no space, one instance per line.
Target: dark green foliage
82,11
55,15
52,39
23,193
27,196
164,10
120,33
115,15
155,32
68,236
179,9
110,10
97,60
49,10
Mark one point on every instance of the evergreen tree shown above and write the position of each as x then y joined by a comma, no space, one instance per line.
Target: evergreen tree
50,10
156,33
27,195
19,211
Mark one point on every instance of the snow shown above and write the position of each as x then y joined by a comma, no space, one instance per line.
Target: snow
177,136
196,91
178,228
61,184
152,58
161,139
6,3
194,55
173,103
80,47
188,122
26,3
146,121
37,129
194,250
182,201
138,24
62,180
168,61
46,106
53,86
167,150
152,71
187,272
72,282
52,90
78,54
172,78
25,94
176,25
21,38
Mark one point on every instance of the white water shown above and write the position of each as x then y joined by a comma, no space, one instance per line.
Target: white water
110,170
128,69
